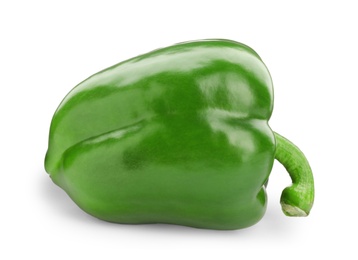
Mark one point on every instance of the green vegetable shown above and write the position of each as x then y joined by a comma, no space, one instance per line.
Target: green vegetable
179,135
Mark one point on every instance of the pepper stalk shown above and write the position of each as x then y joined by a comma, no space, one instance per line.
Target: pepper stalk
297,199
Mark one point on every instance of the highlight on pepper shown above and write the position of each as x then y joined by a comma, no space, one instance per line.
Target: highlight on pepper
179,135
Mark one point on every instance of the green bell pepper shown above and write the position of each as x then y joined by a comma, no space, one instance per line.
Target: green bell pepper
179,135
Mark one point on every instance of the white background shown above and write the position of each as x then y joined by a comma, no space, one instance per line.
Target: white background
310,48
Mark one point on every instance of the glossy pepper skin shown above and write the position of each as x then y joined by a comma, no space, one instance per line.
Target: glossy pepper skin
179,135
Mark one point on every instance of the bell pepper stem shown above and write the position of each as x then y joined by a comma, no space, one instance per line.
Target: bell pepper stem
297,199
